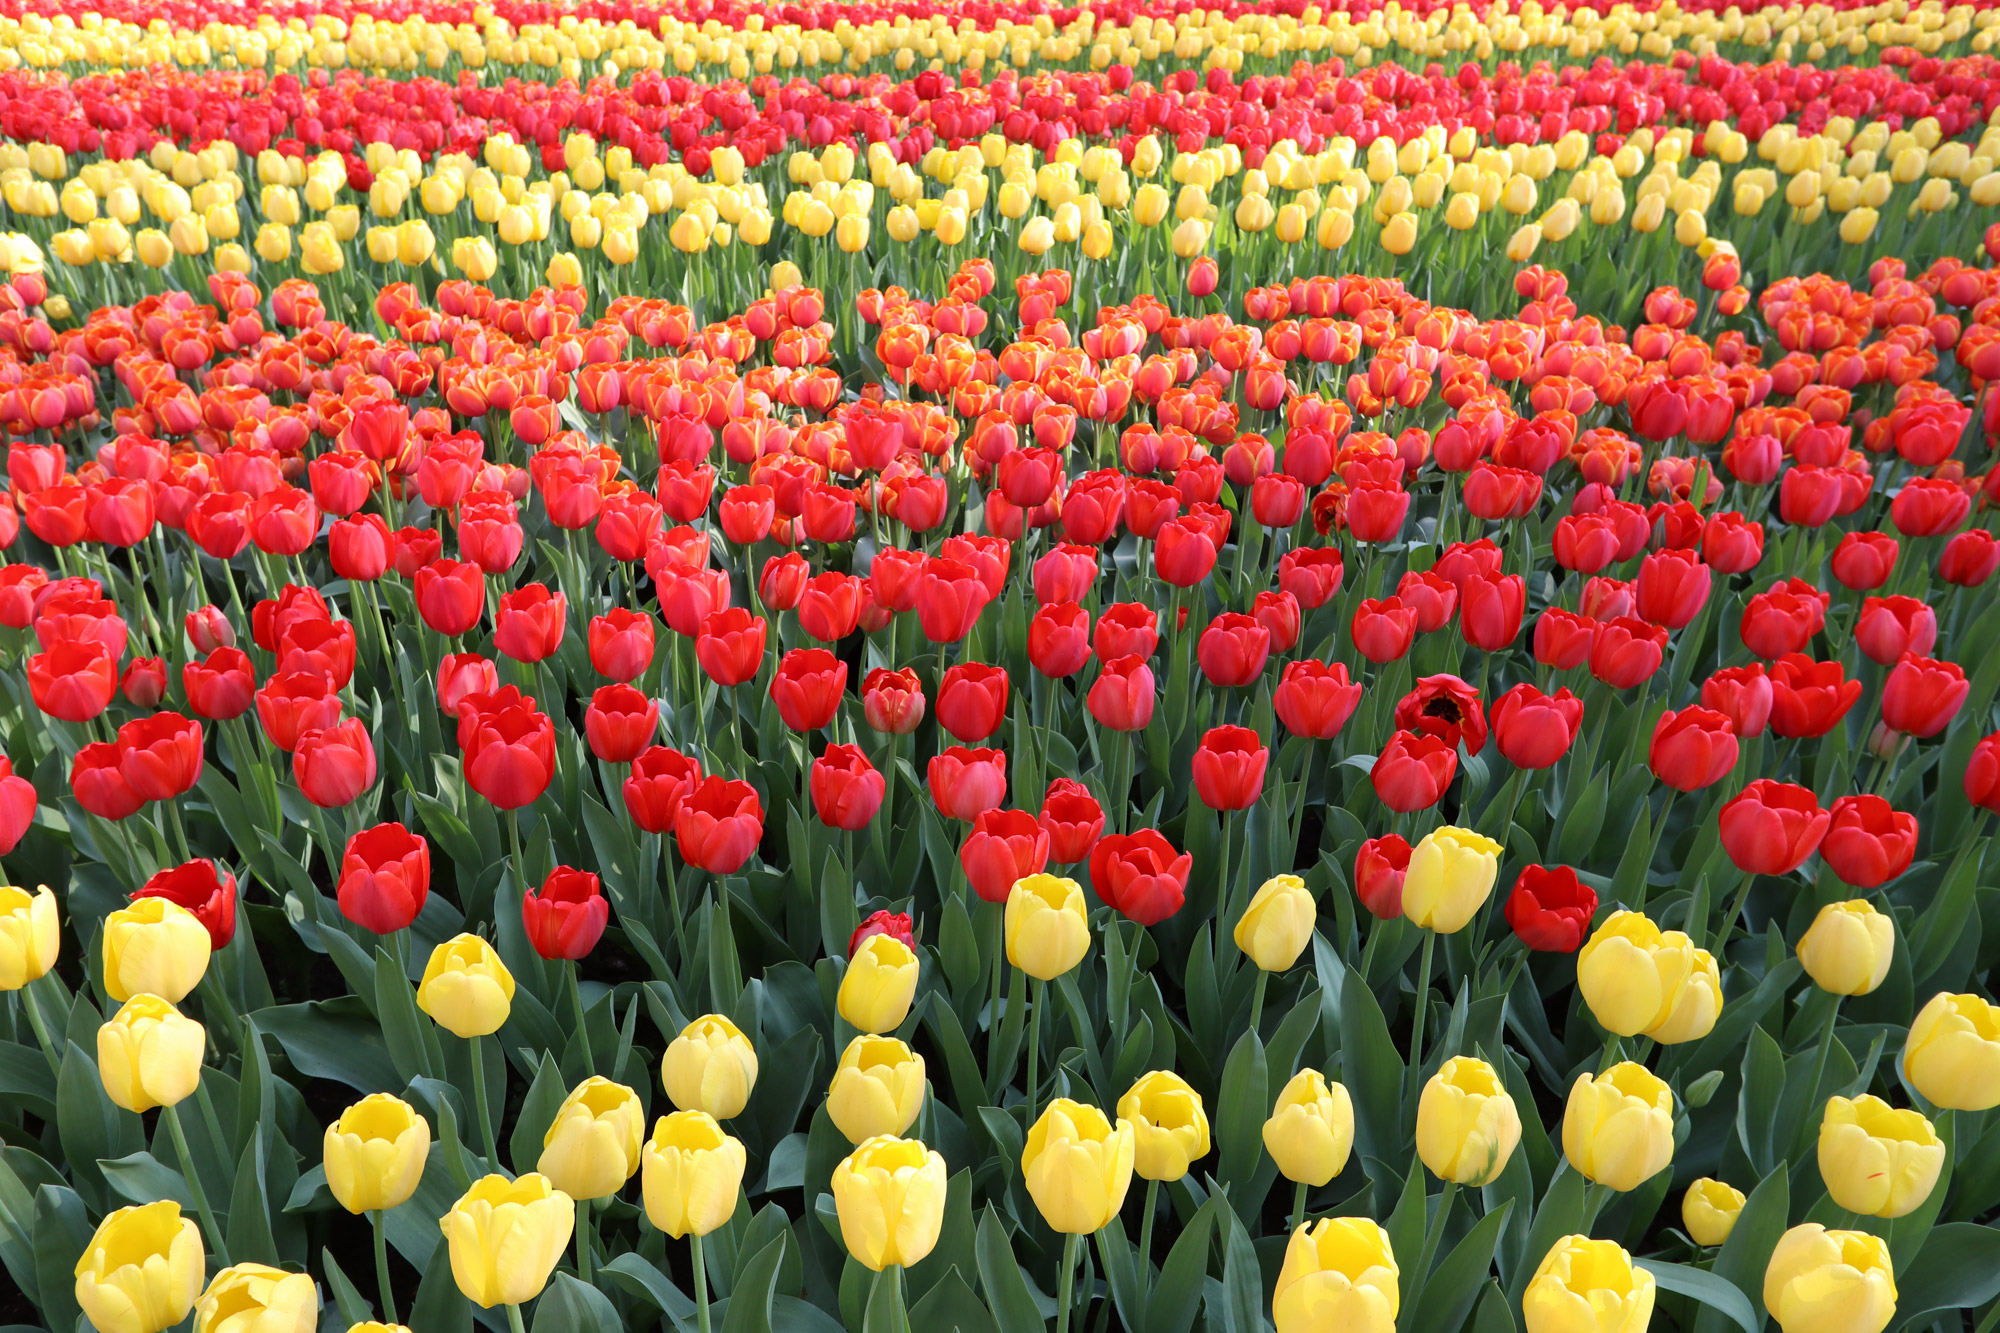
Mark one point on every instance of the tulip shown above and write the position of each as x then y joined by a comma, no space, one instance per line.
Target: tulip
1467,1126
1875,1160
691,1174
1922,696
889,1197
1691,749
846,789
710,1067
566,916
591,1148
154,947
880,981
878,1089
1413,771
1169,1126
1637,979
141,1271
466,989
375,1153
256,1298
1339,1273
1550,908
334,765
1046,926
1741,694
619,723
1588,1286
1533,729
718,824
1229,768
1447,708
964,782
1078,1166
1311,1129
1821,1281
1618,1128
1771,827
149,1054
972,701
1952,1054
807,687
385,876
1808,698
1709,1211
1073,820
1278,924
1141,875
1451,873
504,1238
30,935
1004,846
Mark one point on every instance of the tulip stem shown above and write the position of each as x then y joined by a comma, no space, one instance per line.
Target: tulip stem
1035,1043
584,1231
1423,1008
172,1113
1826,1039
1146,1229
179,832
575,971
1298,1205
1736,909
35,1020
514,1323
1257,998
700,1285
999,913
1068,1292
479,1104
1434,1232
382,1267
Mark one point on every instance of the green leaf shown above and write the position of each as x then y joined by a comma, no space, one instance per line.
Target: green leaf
1705,1287
1242,1281
1446,1299
1757,1104
403,1025
86,1120
1242,1108
334,1039
538,1112
885,1312
1177,1292
569,1306
1747,1253
353,1306
1495,1315
755,1287
440,1306
648,1283
1007,1293
62,1230
951,1307
1372,1071
249,1226
1958,1269
141,1178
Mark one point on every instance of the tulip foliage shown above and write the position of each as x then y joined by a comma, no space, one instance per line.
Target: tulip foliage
992,667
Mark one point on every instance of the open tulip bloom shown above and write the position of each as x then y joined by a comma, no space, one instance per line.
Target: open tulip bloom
844,632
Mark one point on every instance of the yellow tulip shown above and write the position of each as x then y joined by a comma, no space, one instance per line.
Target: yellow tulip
473,256
1821,1281
1450,875
1399,234
256,1298
889,1196
1709,1210
710,1067
880,982
591,1148
414,242
1467,1125
1038,235
30,935
1311,1130
1169,1126
877,1089
1588,1286
1636,979
319,249
149,1054
1952,1055
1876,1160
565,270
381,244
375,1152
1339,1273
1047,926
1275,929
274,242
1150,203
1078,1166
154,947
1190,238
1848,948
1618,1128
466,989
141,1271
690,1174
504,1237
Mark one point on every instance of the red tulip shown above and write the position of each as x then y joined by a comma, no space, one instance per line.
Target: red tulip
1809,698
1605,599
74,679
659,780
807,688
1073,819
1672,587
1922,695
1059,639
963,782
1863,561
1233,649
1277,612
1868,842
1982,775
489,534
1490,610
1781,620
1550,908
892,701
416,548
219,686
1929,507
144,683
950,597
566,916
1969,558
18,803
1277,500
783,581
19,587
1888,627
528,625
1446,707
334,765
1065,574
1771,827
451,596
161,755
1731,544
620,723
1692,749
1563,638
627,524
341,482
1140,875
1003,846
1383,629
1375,512
99,785
1123,695
1229,768
830,606
1585,542
1149,506
1626,651
385,877
509,753
203,889
719,825
1413,770
284,522
1126,629
896,925
688,597
621,643
293,703
1379,867
1315,700
1809,496
1184,552
1743,695
463,674
972,701
273,618
746,513
846,789
1310,573
1533,729
730,646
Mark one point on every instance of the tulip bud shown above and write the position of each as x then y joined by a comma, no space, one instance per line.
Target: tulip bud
1952,1055
375,1153
1848,947
466,989
1451,873
889,1195
256,1298
1311,1130
149,1054
1588,1284
154,947
1876,1160
30,935
1275,929
142,1269
1078,1166
1709,1210
1047,926
1467,1126
591,1148
504,1237
1618,1128
1339,1272
880,982
691,1174
1821,1281
1637,979
877,1089
1169,1126
710,1067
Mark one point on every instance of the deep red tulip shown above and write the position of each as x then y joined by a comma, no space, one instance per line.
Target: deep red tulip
219,686
660,779
1585,542
1550,908
334,765
1868,842
1888,627
1003,846
620,723
1809,698
1065,574
1379,867
1672,587
1383,628
896,925
1692,749
1229,768
1490,610
1929,507
1315,700
1563,638
963,782
1446,707
202,888
846,788
1277,612
462,674
1771,827
621,643
1863,561
385,877
1922,695
807,688
783,581
719,825
99,785
1781,620
830,607
1126,629
1533,729
950,597
1731,544
1982,775
161,755
1743,695
730,646
566,916
892,701
509,753
293,703
1073,819
451,596
1310,573
1413,770
1059,639
1140,875
1233,649
528,623
1969,558
1626,651
1184,553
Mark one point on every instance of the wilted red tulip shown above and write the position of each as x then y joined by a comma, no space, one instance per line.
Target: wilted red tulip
1123,695
1868,842
1888,627
963,782
1533,729
659,780
620,723
1379,867
1809,698
1413,770
334,765
892,701
1771,827
1550,908
1003,846
203,889
1446,707
807,688
1692,749
385,877
509,753
1229,766
1233,649
718,825
1073,819
846,788
1140,875
1921,696
621,643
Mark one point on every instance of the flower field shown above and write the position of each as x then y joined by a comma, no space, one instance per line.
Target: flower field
964,665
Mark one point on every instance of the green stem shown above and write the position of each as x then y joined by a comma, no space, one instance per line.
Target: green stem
172,1114
1423,1008
1435,1232
1298,1205
999,914
1035,1044
382,1267
575,971
1068,1293
700,1286
209,1118
584,1231
1146,1228
514,1324
1257,998
1735,914
479,1105
1826,1039
35,1021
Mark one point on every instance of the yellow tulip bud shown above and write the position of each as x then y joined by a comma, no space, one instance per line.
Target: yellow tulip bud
154,947
1450,875
565,270
1876,1160
620,244
880,982
1399,234
1462,213
1618,1128
1047,926
591,1148
30,935
889,1195
231,259
381,244
1150,204
1169,1126
1097,240
149,1054
1078,1166
504,1237
903,227
1952,1055
850,233
1638,979
1335,229
691,1174
1339,1273
1291,224
154,251
142,1269
1588,1286
1518,196
1467,1126
473,256
466,989
1709,1210
710,1067
1275,929
878,1089
375,1152
1821,1281
1848,948
256,1298
1521,246
1038,235
414,242
1311,1130
274,242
